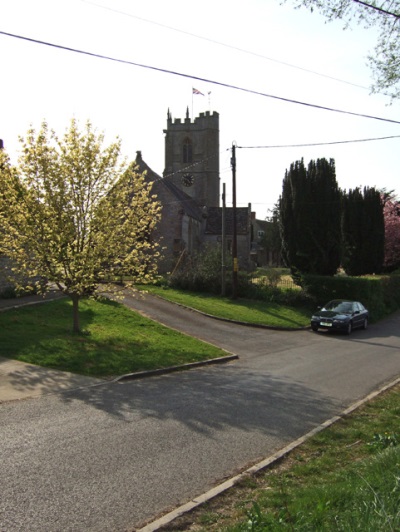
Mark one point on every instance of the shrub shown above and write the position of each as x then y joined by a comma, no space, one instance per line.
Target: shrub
200,272
8,293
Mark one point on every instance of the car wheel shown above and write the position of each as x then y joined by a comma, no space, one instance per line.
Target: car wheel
349,328
314,328
365,324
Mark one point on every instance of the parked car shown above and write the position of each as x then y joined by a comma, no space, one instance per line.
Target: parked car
340,315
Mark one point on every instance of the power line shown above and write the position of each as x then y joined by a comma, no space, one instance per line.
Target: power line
219,43
197,78
318,143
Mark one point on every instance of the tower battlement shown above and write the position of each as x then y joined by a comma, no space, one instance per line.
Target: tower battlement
207,119
204,120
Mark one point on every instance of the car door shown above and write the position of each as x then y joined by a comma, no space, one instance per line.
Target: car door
358,316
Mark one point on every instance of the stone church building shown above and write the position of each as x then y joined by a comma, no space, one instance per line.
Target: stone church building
190,195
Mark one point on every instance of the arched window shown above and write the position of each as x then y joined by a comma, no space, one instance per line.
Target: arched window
187,151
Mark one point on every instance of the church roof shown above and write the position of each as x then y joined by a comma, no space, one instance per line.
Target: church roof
214,221
188,204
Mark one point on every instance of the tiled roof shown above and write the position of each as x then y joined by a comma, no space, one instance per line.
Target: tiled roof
263,224
188,204
214,221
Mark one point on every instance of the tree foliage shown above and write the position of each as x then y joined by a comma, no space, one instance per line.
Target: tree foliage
271,240
73,216
385,15
363,232
391,213
310,218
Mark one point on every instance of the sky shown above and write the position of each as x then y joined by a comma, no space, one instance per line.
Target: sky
229,51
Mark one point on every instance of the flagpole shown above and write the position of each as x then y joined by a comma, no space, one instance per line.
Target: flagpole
195,92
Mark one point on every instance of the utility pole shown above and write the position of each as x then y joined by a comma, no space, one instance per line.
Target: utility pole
234,228
223,244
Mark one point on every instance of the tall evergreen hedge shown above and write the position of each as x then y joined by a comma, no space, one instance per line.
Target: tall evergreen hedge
363,232
310,218
323,228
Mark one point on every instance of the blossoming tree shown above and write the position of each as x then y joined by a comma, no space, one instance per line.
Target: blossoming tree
73,216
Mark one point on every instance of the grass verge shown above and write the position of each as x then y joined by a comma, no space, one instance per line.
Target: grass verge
245,310
115,341
346,478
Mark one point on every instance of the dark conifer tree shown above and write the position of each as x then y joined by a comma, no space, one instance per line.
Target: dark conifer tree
293,183
310,218
363,232
271,239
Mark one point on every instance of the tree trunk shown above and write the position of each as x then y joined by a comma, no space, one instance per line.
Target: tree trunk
75,313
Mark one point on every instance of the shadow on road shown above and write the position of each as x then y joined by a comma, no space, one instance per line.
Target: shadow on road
211,399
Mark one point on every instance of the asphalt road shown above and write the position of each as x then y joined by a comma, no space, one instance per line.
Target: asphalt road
109,457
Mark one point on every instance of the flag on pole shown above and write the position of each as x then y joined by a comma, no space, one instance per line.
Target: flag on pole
195,91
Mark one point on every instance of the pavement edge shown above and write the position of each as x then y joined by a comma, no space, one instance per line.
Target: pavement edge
172,369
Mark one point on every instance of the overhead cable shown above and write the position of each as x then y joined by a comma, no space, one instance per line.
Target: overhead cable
317,143
219,43
197,78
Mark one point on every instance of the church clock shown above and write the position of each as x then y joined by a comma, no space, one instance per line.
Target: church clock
187,180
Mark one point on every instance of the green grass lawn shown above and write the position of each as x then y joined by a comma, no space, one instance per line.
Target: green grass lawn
246,310
116,340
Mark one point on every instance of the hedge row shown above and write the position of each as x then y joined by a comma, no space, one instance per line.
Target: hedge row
380,294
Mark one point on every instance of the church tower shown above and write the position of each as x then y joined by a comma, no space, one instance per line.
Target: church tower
192,156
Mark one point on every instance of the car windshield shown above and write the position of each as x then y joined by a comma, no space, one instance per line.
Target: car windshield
339,306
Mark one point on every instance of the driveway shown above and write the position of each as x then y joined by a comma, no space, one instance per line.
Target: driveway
110,457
